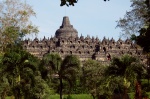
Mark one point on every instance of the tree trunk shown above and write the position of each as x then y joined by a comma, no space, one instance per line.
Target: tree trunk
125,95
93,96
138,93
3,95
60,89
17,93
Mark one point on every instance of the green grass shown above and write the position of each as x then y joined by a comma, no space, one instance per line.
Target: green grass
10,98
74,96
82,96
131,95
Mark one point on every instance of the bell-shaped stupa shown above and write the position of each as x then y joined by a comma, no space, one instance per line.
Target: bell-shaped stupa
66,30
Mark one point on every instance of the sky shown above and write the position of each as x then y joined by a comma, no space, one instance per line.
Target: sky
89,17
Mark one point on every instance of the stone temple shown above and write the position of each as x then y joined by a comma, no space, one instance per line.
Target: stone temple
66,41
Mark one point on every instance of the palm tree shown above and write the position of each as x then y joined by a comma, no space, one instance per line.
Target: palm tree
50,64
68,71
19,66
3,81
128,68
65,69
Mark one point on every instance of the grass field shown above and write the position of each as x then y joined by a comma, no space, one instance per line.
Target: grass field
74,96
79,96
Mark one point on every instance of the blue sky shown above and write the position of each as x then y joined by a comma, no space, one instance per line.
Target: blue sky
89,17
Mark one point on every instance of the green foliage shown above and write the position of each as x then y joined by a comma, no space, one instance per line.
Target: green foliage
133,20
20,68
69,69
136,23
54,69
145,85
70,2
94,79
126,66
68,97
124,72
40,89
49,65
15,21
79,87
144,38
74,96
4,87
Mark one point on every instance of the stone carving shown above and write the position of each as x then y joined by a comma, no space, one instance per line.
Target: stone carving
66,41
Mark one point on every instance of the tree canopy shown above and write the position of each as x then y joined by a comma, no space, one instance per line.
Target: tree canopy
128,70
22,77
93,77
70,2
64,70
136,23
143,38
15,21
133,20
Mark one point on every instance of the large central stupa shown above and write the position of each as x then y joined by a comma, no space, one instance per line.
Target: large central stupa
66,30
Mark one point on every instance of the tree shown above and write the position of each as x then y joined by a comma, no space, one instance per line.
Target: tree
18,58
49,67
15,21
68,71
128,68
93,77
36,88
70,2
136,23
133,20
21,70
144,37
65,69
4,85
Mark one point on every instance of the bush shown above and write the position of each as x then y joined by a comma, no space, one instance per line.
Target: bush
68,97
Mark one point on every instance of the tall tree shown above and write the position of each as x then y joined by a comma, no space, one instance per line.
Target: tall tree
4,85
93,77
20,68
128,68
136,23
133,20
144,37
65,69
15,21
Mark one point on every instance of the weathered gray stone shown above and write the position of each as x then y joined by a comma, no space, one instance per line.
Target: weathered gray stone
66,41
